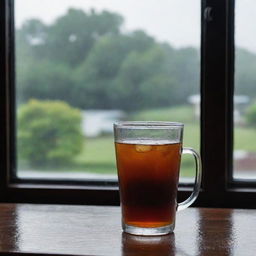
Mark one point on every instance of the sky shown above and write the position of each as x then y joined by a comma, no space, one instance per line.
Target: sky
173,21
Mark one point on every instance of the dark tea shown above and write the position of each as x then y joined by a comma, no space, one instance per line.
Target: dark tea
148,173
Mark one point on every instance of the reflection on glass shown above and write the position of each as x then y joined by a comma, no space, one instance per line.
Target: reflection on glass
245,91
86,64
146,245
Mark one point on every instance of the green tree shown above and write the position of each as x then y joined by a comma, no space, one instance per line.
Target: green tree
85,59
96,77
183,65
72,36
251,114
45,80
49,133
143,81
31,39
69,39
245,78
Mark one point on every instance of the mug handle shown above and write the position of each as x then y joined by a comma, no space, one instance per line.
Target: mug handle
185,204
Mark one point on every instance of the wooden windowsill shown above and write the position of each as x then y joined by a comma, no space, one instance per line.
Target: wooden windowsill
27,229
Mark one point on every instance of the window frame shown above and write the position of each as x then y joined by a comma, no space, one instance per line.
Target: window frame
217,85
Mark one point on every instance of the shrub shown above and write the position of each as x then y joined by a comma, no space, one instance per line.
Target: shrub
49,132
251,114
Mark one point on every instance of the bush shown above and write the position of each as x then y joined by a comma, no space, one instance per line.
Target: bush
49,133
251,114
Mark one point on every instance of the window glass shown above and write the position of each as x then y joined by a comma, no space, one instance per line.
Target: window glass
245,91
83,64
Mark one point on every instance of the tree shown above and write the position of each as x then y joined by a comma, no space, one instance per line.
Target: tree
245,78
49,133
96,77
72,36
45,80
183,65
143,81
85,59
250,115
31,38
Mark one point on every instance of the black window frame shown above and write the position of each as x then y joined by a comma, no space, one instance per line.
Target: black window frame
217,89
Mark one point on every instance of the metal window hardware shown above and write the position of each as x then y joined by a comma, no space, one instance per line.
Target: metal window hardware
208,14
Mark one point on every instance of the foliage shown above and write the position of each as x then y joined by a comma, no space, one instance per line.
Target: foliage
143,78
251,114
49,132
87,60
45,80
70,38
245,72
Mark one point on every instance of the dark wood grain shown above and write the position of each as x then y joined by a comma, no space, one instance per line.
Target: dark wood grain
96,230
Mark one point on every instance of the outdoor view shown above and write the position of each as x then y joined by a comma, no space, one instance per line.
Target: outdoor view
245,91
82,65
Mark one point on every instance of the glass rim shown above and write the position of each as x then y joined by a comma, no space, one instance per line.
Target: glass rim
147,124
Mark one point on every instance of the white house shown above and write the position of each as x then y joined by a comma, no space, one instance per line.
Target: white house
240,101
96,122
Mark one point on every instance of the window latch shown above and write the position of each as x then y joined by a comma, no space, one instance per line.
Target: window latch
208,14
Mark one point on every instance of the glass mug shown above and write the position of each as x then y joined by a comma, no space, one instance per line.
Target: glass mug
148,161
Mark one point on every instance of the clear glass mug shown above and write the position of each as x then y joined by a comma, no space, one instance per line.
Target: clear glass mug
148,161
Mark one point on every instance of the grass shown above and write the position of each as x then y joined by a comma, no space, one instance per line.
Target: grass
184,114
99,150
98,154
245,139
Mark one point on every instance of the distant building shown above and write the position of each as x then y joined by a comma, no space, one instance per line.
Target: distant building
96,122
240,102
195,100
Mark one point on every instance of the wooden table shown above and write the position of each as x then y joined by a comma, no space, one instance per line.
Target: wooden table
95,230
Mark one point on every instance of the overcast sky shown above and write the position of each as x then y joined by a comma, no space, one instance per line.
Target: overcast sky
174,21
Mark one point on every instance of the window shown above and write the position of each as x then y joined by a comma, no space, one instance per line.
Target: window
110,61
216,119
245,92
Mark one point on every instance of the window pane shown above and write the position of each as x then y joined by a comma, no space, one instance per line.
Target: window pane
245,91
82,65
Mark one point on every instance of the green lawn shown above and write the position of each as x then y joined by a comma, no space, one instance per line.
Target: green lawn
245,139
184,114
98,154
